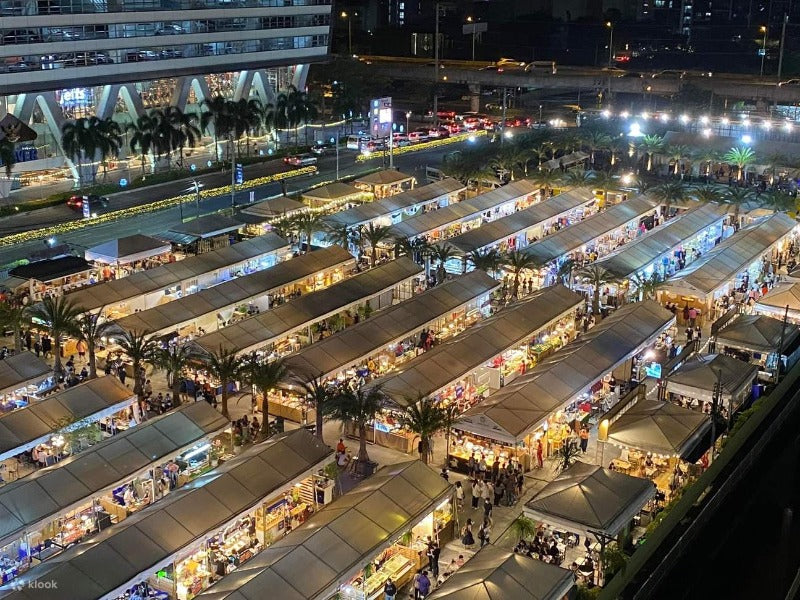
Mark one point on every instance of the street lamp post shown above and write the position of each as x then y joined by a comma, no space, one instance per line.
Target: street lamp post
408,116
763,30
610,25
436,69
196,186
349,18
469,20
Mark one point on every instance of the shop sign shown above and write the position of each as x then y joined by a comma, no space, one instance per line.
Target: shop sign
380,117
653,370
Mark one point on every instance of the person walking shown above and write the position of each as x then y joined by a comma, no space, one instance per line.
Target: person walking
433,558
424,585
477,492
389,590
459,495
584,439
466,536
539,453
415,584
487,508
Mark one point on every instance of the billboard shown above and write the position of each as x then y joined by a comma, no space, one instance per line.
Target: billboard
380,117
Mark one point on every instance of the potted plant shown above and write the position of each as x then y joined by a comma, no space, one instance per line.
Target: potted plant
237,443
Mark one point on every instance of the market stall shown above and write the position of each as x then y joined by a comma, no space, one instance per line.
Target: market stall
24,377
759,340
350,548
565,162
55,276
215,307
203,531
146,289
386,182
260,214
457,218
738,261
288,327
334,194
55,507
488,355
399,207
495,574
693,383
36,424
779,298
203,234
546,402
135,248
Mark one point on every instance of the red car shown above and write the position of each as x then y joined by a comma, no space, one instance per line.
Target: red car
95,202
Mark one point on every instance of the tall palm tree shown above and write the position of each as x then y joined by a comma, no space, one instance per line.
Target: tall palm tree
516,262
415,248
300,109
650,145
646,286
677,153
706,157
547,180
109,141
597,277
736,197
308,224
226,367
669,193
504,160
246,117
359,407
775,160
174,360
487,260
441,253
16,319
7,156
617,146
741,156
264,377
186,131
141,139
595,141
79,140
319,394
565,270
59,317
341,235
375,235
166,134
605,182
216,120
579,178
91,327
779,202
140,347
424,417
706,193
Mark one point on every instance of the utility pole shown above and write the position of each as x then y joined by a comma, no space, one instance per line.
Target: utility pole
764,30
337,154
503,124
714,408
783,44
391,142
780,346
436,70
610,25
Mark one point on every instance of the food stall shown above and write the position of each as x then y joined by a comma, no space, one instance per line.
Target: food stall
259,216
760,340
386,182
24,378
55,276
783,300
203,234
693,383
130,254
333,195
350,548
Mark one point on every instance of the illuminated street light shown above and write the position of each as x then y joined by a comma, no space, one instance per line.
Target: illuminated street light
746,139
724,120
684,118
767,125
645,115
665,118
606,114
624,114
787,126
704,120
707,132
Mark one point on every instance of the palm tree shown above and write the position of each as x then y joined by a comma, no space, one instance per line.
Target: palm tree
109,141
487,260
165,135
564,274
319,394
246,117
300,109
16,319
650,145
441,253
226,367
706,157
264,377
79,140
375,235
775,160
186,131
597,277
706,193
7,156
579,178
308,224
141,139
424,417
59,317
669,193
677,153
516,262
523,528
617,147
567,454
140,347
546,180
736,197
359,407
594,141
415,248
341,235
646,286
216,120
91,327
779,202
174,360
504,161
605,182
741,156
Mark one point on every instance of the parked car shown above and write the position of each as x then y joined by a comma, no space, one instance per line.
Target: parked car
301,160
324,148
418,135
95,202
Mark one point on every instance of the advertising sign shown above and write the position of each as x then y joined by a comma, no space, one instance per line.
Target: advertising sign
380,117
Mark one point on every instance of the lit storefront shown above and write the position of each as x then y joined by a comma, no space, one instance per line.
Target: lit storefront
386,182
54,276
24,377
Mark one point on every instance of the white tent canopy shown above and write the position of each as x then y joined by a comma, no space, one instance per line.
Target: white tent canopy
697,377
127,250
781,296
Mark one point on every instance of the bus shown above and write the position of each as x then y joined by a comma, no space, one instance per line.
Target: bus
356,142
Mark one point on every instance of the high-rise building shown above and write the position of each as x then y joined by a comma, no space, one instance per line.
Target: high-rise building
62,59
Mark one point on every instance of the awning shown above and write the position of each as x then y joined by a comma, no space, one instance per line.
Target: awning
465,210
333,545
411,199
133,550
642,252
232,293
781,296
586,498
497,574
517,409
389,326
520,221
663,428
574,237
207,226
41,497
168,275
54,268
384,177
19,370
568,160
274,207
445,363
23,429
698,376
271,326
757,333
332,192
127,250
733,256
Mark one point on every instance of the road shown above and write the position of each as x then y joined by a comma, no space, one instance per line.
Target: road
152,223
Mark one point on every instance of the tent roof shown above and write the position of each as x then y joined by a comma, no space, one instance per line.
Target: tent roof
274,207
573,237
735,254
757,333
144,282
661,427
267,327
567,160
207,226
496,574
637,255
516,409
431,371
24,428
384,177
464,210
334,544
48,270
127,249
234,292
369,211
586,497
332,191
118,556
46,493
18,370
520,221
781,296
697,377
389,326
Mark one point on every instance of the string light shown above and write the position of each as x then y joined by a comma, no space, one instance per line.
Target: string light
463,137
